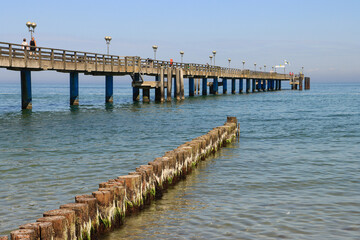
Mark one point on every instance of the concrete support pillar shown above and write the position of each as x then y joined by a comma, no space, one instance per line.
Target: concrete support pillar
216,85
109,89
224,82
162,92
178,97
26,97
146,94
136,91
307,83
169,83
182,87
247,85
204,86
233,87
157,89
74,88
253,85
191,87
241,85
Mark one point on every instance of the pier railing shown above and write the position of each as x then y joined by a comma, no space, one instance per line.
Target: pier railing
17,56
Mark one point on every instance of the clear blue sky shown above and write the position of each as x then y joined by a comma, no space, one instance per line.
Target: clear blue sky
323,36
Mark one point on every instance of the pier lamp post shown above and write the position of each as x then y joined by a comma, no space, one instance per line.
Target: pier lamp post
229,61
260,69
243,65
302,70
155,47
182,55
214,53
108,39
264,68
255,66
210,59
31,26
272,69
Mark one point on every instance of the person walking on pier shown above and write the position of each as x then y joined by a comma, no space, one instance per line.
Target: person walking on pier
32,46
24,44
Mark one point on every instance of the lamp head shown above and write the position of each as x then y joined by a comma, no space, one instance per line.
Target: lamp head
155,47
33,25
182,52
28,24
210,56
214,52
229,59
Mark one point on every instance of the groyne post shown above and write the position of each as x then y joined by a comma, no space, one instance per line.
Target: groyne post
109,89
224,82
204,86
26,97
169,83
136,91
191,86
74,88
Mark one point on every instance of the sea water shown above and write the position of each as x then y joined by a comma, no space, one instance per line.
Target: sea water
294,174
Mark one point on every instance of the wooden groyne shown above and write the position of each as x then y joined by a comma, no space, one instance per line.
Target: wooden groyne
169,76
105,209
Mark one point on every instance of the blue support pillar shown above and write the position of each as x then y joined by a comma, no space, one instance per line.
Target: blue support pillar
268,84
247,85
279,85
191,87
241,85
253,85
157,90
272,85
224,82
174,87
109,88
146,94
204,86
258,85
74,88
233,87
263,85
26,97
276,84
216,85
136,91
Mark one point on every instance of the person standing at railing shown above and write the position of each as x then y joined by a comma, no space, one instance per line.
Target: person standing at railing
32,46
24,44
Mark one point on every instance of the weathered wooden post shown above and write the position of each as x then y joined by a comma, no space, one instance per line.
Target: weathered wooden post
162,93
191,86
109,89
307,83
224,82
178,97
136,91
74,88
182,87
169,83
204,86
233,87
26,97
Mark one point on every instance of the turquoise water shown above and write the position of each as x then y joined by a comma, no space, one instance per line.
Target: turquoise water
294,174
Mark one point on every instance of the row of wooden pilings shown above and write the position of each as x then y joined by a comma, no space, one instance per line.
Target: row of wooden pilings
92,215
194,86
177,86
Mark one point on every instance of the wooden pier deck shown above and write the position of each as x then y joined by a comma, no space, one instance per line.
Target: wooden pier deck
15,57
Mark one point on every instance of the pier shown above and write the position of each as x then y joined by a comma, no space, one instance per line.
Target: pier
169,77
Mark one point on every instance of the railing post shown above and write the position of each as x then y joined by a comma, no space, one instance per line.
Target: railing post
52,58
39,61
96,62
10,55
75,60
64,60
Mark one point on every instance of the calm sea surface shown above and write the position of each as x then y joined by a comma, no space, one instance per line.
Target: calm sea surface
294,174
